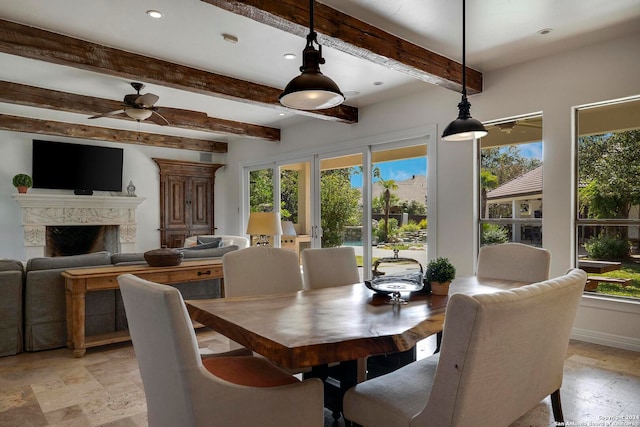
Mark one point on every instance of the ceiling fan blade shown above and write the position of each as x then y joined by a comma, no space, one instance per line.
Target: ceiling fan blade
157,118
110,113
147,100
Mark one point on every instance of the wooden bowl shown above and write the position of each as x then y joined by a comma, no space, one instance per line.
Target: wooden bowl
163,257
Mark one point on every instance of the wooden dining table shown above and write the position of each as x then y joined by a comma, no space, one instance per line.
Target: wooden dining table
314,328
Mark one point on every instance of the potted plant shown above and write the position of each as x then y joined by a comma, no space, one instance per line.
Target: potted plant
22,182
439,273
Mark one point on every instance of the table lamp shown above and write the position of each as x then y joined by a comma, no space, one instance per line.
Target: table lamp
263,225
288,229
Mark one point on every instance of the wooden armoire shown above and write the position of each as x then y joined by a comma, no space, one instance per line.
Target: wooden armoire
186,200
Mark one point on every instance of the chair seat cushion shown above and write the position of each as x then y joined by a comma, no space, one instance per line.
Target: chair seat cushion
392,399
249,371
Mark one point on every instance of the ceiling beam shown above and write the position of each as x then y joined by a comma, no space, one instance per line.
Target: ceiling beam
72,130
347,34
15,93
34,43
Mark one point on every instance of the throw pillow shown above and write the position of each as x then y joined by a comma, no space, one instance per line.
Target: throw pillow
210,240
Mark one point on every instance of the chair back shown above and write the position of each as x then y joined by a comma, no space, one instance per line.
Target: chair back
502,353
514,261
260,270
166,348
326,267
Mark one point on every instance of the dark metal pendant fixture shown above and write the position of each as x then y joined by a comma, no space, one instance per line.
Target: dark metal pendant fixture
311,90
464,127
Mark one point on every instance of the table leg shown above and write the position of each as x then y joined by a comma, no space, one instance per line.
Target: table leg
77,323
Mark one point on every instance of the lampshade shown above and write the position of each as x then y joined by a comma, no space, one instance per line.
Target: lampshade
464,127
311,90
264,224
288,229
138,113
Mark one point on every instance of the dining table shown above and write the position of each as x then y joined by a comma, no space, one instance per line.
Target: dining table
344,324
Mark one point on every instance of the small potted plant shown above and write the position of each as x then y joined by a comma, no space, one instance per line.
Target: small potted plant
22,182
439,273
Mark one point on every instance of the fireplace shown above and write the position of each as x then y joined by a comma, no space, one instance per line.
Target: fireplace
54,223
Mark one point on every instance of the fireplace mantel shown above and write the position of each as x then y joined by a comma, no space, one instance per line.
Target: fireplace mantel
42,210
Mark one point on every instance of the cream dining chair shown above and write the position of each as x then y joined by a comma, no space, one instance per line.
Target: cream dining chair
260,270
502,353
326,267
182,389
514,261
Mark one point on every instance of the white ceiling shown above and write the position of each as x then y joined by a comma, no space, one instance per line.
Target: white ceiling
499,33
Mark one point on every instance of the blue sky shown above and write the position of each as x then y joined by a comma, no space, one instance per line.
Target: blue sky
400,170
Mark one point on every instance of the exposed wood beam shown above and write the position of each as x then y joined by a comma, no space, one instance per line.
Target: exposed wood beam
34,43
50,127
32,96
350,35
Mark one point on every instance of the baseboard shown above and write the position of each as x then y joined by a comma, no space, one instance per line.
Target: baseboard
610,340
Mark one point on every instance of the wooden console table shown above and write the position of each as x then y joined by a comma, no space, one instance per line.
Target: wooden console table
79,281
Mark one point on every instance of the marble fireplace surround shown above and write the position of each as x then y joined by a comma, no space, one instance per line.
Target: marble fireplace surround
41,210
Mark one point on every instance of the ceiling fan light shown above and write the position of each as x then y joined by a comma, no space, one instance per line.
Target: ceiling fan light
138,113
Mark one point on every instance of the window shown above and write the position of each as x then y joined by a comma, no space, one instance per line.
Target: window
511,182
608,197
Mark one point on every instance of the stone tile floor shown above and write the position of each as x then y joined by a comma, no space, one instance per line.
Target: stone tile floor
52,388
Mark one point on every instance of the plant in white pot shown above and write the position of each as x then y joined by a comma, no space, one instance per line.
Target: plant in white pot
22,182
439,273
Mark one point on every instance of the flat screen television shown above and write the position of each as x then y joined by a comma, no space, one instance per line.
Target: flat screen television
78,167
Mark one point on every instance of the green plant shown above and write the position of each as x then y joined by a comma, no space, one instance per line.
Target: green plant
608,247
411,226
493,234
440,270
381,229
422,224
22,180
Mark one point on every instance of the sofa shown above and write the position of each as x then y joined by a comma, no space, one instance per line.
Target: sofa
33,304
11,286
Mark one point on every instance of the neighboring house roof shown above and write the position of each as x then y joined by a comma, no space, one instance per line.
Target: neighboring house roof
528,184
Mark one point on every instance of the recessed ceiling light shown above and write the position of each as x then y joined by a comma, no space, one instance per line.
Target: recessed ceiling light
282,114
545,31
289,56
230,38
155,14
378,83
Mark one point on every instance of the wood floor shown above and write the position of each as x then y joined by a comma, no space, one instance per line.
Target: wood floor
52,388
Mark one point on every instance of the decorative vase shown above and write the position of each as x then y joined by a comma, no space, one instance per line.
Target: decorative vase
440,288
22,189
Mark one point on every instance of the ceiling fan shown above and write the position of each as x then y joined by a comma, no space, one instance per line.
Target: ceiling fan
138,107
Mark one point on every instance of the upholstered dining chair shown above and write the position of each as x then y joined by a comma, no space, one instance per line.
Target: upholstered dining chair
502,354
182,389
260,270
514,261
326,267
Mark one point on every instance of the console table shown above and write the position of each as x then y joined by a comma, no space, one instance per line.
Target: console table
79,281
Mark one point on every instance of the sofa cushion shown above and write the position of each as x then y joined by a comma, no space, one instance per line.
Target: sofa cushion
215,242
11,284
72,261
193,252
133,257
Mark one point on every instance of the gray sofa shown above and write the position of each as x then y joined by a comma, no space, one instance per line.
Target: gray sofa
11,284
39,291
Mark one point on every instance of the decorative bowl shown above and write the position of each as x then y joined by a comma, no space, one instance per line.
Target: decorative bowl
163,257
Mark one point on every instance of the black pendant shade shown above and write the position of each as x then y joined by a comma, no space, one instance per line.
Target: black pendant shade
464,127
311,90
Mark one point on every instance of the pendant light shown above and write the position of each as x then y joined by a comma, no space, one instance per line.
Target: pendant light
464,127
311,90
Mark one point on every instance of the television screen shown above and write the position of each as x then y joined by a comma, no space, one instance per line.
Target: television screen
78,167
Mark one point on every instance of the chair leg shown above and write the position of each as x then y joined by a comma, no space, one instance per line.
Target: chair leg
557,407
438,342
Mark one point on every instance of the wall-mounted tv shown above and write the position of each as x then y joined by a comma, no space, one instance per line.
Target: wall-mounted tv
78,167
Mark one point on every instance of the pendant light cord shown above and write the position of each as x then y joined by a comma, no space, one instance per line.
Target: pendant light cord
464,66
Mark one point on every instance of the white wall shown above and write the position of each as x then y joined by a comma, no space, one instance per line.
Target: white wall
138,166
552,85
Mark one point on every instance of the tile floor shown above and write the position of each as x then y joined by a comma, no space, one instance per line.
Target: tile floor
52,388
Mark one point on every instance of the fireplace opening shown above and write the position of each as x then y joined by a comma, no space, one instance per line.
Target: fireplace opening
80,239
